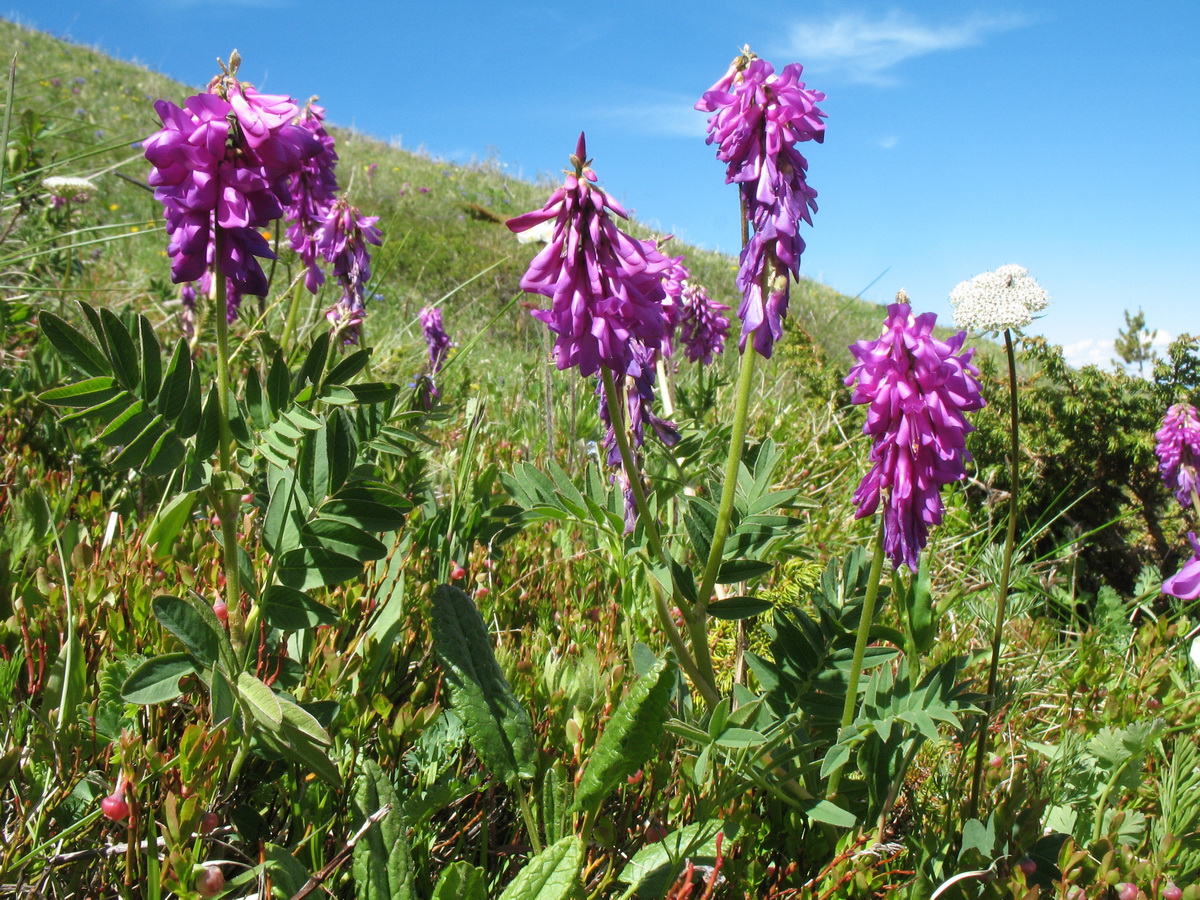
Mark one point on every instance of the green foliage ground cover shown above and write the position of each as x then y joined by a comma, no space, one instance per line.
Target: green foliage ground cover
395,727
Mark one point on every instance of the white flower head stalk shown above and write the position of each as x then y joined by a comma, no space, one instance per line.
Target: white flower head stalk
69,188
993,301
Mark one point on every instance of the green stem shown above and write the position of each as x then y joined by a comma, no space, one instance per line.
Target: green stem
860,648
226,496
527,815
1005,572
729,490
289,323
700,673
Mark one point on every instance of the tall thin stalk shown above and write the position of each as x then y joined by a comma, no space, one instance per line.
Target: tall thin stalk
1005,572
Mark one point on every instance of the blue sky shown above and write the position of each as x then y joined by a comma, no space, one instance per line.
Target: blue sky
1062,136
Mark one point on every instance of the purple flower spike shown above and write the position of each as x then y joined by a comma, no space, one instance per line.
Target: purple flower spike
758,118
1178,451
342,239
703,327
222,161
605,287
1185,584
314,188
435,337
917,388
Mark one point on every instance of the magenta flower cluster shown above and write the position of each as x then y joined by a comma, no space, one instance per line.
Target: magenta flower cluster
917,389
1178,451
703,325
605,287
758,118
436,338
314,189
1185,584
223,161
342,239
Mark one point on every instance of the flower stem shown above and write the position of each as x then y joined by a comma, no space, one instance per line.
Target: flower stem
860,648
224,492
1005,572
699,667
289,325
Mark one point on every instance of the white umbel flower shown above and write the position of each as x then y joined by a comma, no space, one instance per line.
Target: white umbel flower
994,301
69,188
542,233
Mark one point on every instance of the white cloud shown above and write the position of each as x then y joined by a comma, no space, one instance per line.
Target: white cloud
887,142
863,49
1102,353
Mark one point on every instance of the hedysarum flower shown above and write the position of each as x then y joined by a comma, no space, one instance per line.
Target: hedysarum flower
342,240
314,189
1185,584
1178,451
993,301
758,118
917,388
702,325
605,287
435,337
222,161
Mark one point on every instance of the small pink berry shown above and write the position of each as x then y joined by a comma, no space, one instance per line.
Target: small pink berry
458,573
1127,891
1172,892
114,808
1027,865
636,777
210,882
481,591
221,611
209,822
996,762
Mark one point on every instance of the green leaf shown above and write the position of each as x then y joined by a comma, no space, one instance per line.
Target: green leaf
187,624
157,679
130,423
733,608
551,875
655,867
121,351
630,737
382,862
173,395
342,538
314,363
134,454
291,610
348,367
735,570
497,725
82,394
369,515
150,359
369,393
461,881
164,528
73,346
310,567
830,814
262,701
303,722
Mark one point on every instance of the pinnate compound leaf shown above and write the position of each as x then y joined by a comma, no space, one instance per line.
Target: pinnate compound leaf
630,737
382,862
157,679
497,725
551,875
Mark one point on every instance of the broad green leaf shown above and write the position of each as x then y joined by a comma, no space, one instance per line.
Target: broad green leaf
164,528
185,622
166,455
310,567
314,363
150,358
348,367
655,867
830,814
303,721
461,881
735,570
368,515
738,608
291,610
382,863
121,352
554,874
176,383
73,346
82,394
128,425
496,723
157,679
630,737
342,538
262,701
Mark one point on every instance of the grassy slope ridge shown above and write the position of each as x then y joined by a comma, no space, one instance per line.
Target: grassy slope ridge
442,222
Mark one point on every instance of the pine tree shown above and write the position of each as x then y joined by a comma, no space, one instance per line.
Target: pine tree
1134,340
